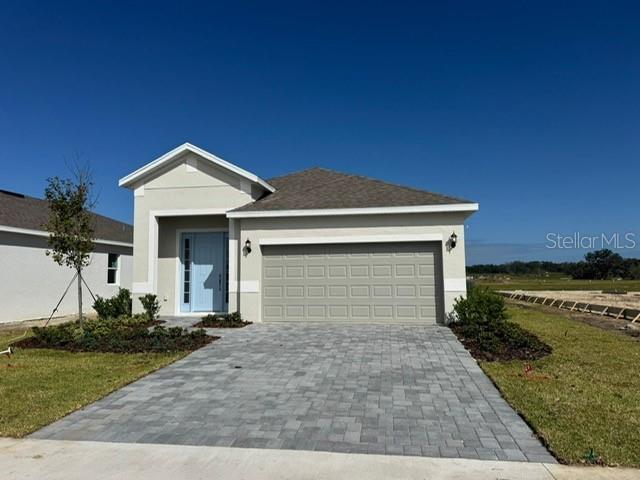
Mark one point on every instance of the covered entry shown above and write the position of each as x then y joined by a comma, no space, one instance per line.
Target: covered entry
204,265
367,282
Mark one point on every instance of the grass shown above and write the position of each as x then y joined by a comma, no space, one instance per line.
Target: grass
42,385
554,282
585,395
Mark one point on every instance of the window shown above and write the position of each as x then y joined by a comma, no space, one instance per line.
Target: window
113,267
187,271
226,256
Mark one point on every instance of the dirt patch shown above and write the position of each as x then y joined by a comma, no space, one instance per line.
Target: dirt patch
600,321
623,300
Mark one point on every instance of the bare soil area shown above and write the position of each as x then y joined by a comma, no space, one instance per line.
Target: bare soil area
626,300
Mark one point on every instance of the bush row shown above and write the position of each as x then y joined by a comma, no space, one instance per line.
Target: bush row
120,305
120,335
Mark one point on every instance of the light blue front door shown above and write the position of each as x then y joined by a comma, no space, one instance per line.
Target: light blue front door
204,270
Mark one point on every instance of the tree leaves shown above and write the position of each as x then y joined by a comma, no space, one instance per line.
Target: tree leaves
70,225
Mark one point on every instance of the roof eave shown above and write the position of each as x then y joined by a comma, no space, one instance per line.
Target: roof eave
44,233
129,181
443,208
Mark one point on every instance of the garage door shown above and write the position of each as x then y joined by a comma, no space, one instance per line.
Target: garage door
379,282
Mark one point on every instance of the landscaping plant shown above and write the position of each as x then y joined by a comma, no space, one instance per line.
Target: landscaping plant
481,306
151,306
483,328
119,335
117,306
231,320
70,223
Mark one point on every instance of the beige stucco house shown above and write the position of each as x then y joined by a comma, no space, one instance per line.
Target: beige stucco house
316,245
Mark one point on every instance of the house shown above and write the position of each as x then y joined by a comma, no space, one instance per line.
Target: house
315,245
31,283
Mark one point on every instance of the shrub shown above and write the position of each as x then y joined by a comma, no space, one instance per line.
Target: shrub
230,320
120,335
481,306
151,306
114,307
233,317
483,328
102,306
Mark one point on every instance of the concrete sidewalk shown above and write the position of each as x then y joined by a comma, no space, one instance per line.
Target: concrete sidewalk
58,459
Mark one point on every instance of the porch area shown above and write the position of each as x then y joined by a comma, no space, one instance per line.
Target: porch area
192,264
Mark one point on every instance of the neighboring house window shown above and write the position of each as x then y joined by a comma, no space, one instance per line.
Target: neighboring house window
113,267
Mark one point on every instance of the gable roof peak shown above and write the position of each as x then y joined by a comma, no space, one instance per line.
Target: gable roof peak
129,180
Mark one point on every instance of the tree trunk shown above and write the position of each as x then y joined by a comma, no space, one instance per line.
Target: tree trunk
79,296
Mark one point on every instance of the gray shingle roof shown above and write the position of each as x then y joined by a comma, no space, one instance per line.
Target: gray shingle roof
319,188
22,211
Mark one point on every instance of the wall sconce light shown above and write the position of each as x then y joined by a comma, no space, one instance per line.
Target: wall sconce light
247,246
453,240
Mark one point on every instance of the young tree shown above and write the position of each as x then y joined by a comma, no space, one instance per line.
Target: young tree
70,223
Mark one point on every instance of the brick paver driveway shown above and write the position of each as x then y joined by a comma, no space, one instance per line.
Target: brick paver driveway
362,388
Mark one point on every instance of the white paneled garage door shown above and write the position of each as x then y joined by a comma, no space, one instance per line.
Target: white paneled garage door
379,282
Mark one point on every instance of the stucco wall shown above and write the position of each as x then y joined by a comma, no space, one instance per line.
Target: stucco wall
168,253
32,283
256,229
191,185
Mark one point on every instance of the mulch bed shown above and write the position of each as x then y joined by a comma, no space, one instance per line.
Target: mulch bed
534,350
33,342
220,323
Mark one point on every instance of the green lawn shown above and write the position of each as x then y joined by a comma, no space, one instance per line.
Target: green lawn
41,386
555,282
586,393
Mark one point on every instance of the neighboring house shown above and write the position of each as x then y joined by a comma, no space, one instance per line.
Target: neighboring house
316,245
31,283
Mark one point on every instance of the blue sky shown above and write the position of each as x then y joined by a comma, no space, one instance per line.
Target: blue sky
530,108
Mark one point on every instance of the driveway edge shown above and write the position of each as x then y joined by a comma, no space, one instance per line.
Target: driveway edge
62,459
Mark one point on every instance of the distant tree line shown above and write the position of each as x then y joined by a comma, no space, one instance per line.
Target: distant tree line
599,265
